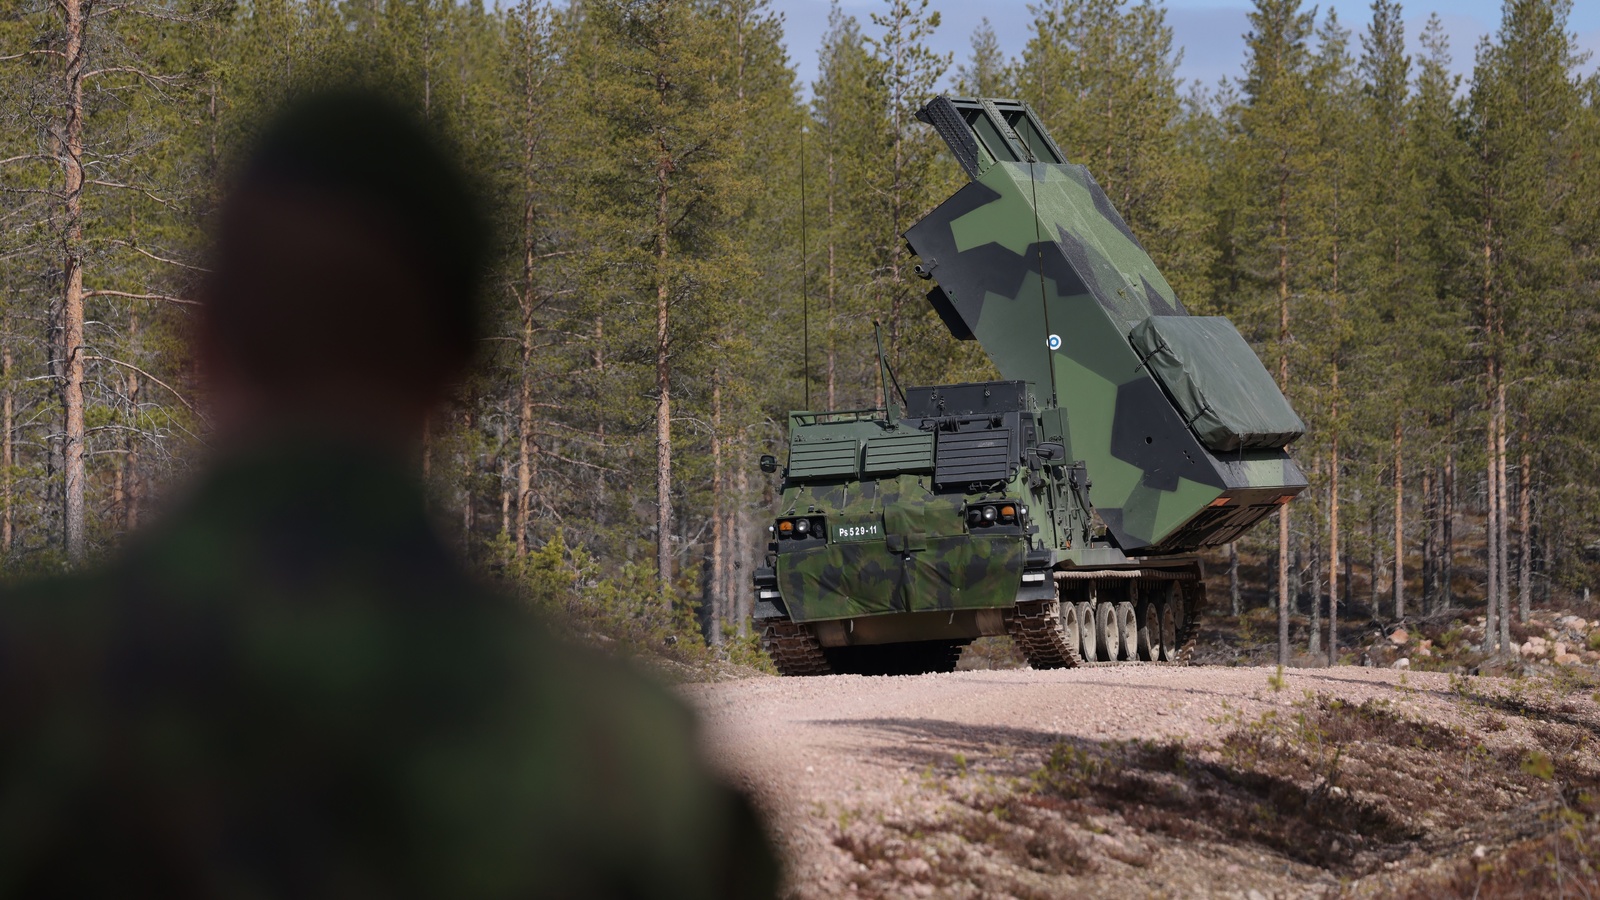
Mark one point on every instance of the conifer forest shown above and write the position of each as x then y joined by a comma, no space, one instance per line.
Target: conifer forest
693,243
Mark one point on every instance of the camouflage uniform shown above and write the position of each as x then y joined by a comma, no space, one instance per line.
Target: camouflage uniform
290,689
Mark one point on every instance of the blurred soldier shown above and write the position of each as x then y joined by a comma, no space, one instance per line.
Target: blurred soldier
290,688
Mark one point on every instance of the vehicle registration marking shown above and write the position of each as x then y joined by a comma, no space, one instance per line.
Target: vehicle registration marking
858,532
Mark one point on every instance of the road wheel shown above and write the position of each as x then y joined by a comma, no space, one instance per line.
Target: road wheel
1106,632
1149,630
1087,646
1071,626
1169,627
1127,631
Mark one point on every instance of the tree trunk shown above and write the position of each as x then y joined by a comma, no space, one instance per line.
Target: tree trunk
7,445
133,488
741,588
1333,546
527,457
1283,385
71,348
505,498
1429,601
718,509
1233,578
1491,625
1314,641
663,373
1283,585
1447,550
1376,566
1525,532
1504,540
1399,526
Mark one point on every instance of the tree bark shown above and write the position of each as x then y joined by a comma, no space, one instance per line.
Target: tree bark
663,367
1525,532
742,590
1283,585
1504,519
132,484
718,578
1399,525
527,451
1491,634
71,349
7,445
1314,641
1447,550
1333,543
1233,578
1283,385
1428,602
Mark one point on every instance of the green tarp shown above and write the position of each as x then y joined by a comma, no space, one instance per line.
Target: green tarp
1223,391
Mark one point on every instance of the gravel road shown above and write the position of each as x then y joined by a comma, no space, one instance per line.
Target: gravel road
822,752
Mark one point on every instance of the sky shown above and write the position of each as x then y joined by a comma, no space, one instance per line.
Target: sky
1211,32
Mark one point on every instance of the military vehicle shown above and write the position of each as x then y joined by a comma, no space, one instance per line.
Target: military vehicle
1063,505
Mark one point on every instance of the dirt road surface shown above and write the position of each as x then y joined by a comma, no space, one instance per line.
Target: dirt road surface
919,786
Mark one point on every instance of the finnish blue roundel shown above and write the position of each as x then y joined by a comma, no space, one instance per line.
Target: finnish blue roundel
1053,342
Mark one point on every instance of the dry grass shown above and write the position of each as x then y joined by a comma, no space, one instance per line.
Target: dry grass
1338,791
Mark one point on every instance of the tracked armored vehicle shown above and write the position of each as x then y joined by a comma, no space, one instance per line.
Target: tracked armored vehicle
1063,505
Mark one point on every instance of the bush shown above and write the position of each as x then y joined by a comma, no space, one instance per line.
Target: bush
625,610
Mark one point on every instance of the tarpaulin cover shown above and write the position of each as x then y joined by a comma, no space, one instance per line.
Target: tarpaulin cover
1220,386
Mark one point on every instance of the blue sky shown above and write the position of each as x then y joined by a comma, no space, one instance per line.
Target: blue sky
1210,31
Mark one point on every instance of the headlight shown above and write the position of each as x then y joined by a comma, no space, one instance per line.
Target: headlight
988,515
802,527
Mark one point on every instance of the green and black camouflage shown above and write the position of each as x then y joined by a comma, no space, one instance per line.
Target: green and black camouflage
1126,435
289,688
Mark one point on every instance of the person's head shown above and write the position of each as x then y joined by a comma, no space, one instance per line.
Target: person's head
347,261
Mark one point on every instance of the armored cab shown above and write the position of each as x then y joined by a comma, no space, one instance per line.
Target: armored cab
1061,505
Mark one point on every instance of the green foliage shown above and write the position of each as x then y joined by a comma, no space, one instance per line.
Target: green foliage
618,611
1360,212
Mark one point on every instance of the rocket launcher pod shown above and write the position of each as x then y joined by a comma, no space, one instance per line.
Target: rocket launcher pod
1181,430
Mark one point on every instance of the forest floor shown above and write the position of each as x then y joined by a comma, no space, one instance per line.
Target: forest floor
1172,781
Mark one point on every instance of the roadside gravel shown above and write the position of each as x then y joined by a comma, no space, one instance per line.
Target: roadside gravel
823,754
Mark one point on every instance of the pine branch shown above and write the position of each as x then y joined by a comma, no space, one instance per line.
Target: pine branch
130,366
129,296
161,259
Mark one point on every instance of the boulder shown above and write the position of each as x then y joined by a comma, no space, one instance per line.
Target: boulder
1399,636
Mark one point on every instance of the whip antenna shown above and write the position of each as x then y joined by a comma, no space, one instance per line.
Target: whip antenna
805,273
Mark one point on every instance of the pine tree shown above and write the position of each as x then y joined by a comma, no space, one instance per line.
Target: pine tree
663,150
1277,157
987,72
846,125
1522,103
904,176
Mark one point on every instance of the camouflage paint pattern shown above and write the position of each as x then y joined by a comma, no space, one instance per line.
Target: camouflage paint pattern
923,558
1030,250
1032,261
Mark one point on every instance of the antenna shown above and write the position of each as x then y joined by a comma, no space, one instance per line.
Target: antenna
805,272
886,377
